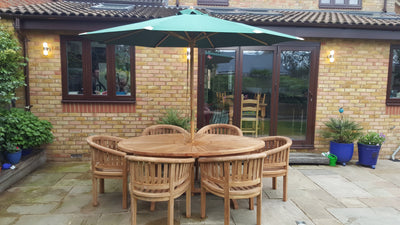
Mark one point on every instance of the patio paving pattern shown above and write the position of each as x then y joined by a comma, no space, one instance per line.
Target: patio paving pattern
60,194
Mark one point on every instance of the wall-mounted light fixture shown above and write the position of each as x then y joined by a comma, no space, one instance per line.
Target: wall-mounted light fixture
46,49
331,56
188,53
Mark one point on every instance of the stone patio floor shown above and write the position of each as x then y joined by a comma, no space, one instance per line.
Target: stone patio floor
60,194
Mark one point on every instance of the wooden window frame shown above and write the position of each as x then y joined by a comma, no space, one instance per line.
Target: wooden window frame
87,96
346,5
213,2
391,101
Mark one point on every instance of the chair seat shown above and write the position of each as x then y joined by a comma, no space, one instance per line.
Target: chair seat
103,170
234,192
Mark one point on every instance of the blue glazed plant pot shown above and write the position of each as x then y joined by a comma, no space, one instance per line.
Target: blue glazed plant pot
368,154
14,157
343,151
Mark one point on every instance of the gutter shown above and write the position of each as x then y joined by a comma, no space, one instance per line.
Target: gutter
22,37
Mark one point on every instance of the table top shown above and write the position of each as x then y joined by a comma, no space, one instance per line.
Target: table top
179,145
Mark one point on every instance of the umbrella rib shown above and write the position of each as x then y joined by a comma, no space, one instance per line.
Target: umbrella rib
255,39
122,36
162,40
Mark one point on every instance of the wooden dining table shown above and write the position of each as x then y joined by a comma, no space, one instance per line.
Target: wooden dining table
180,145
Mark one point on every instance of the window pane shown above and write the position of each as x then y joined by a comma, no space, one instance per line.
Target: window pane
99,69
257,81
294,82
219,83
395,79
339,2
325,1
122,70
353,2
74,67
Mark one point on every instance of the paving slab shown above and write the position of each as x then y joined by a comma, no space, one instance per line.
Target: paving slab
60,193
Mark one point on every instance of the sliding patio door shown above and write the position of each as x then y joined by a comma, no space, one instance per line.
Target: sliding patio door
284,76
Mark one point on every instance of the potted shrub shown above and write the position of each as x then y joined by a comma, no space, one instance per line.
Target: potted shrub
342,132
13,153
369,146
24,129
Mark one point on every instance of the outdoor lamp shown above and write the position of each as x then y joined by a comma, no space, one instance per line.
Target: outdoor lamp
46,49
331,56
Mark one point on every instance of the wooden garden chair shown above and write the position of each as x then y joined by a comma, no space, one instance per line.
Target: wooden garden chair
220,128
159,179
107,163
276,164
232,177
163,129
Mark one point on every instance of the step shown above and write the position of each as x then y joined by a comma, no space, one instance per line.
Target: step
307,158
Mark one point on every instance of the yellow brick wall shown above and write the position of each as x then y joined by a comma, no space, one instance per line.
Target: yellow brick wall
161,84
356,81
367,5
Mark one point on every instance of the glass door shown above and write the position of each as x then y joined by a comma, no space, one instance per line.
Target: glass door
219,85
257,71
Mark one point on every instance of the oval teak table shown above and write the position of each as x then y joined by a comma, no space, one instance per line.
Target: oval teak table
179,145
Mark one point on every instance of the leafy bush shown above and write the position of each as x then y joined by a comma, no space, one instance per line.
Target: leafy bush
11,148
372,138
342,130
11,67
23,129
173,118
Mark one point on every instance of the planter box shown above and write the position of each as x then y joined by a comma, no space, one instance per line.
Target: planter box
368,154
28,164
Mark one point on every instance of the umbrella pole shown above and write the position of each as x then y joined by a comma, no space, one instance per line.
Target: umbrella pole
191,92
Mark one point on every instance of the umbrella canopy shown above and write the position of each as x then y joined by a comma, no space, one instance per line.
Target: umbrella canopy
190,28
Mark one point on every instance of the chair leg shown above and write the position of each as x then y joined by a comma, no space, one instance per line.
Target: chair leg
203,203
152,206
170,212
94,191
133,210
188,203
125,193
274,183
259,206
285,188
226,210
251,203
101,181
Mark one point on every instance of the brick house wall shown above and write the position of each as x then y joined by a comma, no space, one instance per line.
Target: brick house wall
357,81
160,82
367,5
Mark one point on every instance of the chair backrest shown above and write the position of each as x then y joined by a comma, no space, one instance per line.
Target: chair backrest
163,129
159,177
250,108
277,149
105,153
233,171
262,98
220,128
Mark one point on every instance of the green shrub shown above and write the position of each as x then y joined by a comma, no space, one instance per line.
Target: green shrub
372,138
24,129
173,118
341,130
11,67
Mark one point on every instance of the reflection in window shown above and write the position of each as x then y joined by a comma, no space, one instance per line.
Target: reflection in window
219,79
74,68
92,71
394,75
346,4
99,69
294,82
257,81
122,70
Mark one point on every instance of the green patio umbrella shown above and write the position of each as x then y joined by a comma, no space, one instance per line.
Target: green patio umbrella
192,29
